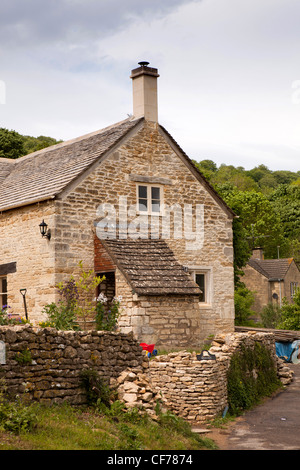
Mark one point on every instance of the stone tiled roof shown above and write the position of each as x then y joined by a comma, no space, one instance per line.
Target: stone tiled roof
44,174
271,268
6,165
150,267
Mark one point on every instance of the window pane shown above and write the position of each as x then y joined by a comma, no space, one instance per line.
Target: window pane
143,192
3,292
155,206
143,205
200,280
155,199
155,193
4,285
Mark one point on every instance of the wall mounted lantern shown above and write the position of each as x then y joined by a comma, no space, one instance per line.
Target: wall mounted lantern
45,232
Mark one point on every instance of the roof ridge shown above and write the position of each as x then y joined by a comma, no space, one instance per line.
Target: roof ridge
254,264
8,160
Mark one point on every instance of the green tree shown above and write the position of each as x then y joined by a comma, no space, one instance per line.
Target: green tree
15,145
243,301
286,203
11,144
241,248
285,177
32,144
236,176
270,315
207,168
261,222
259,172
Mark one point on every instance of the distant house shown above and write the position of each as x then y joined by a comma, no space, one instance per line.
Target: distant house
129,203
271,279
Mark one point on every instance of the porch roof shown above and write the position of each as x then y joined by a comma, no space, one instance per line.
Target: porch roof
150,267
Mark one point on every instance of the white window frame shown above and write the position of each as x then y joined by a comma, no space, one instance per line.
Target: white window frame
293,287
3,293
208,283
149,199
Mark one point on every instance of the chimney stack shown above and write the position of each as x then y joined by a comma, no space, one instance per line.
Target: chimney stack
144,88
257,253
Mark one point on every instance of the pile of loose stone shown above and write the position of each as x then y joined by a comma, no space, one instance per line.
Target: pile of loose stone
135,389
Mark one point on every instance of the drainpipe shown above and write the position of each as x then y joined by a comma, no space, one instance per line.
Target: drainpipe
280,292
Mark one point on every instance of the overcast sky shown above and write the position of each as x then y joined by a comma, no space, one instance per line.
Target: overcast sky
229,86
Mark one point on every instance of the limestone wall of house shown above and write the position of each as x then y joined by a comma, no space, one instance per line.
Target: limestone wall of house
259,285
166,321
22,243
148,154
292,275
266,291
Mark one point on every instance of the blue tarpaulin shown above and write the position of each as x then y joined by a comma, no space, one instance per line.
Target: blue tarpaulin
288,351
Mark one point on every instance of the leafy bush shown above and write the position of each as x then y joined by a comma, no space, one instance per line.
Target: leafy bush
74,302
243,300
15,416
290,314
252,375
270,315
97,391
107,316
23,357
62,315
6,318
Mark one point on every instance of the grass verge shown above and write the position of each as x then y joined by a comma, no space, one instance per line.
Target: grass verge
63,427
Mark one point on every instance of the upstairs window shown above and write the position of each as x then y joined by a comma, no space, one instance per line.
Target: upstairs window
3,292
149,199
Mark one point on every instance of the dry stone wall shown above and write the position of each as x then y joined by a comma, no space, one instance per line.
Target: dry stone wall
197,389
194,389
52,374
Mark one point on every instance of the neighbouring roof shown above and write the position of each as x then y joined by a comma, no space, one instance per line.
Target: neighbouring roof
44,174
272,269
150,267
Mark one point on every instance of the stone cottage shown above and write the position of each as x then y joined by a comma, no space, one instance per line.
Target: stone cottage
129,203
271,279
